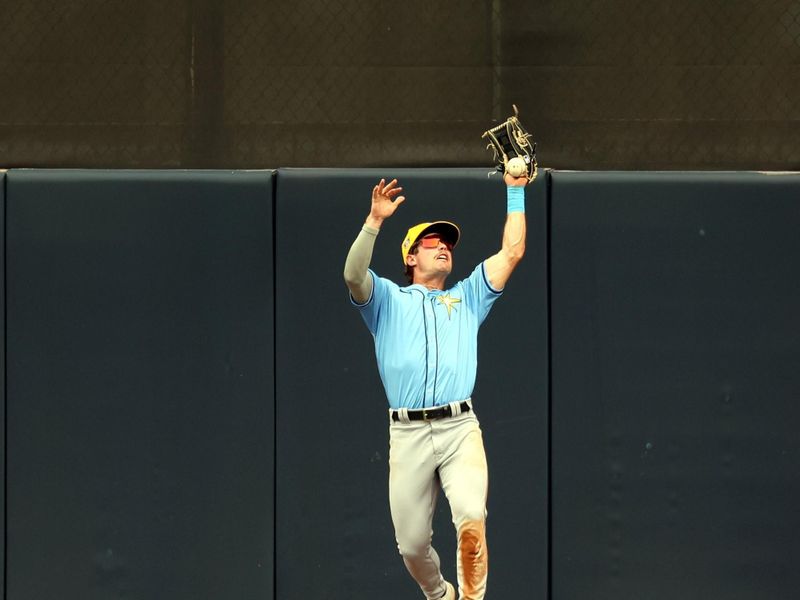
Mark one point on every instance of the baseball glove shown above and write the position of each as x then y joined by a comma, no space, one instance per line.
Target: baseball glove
510,142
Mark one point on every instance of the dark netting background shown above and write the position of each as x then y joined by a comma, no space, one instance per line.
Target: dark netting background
602,84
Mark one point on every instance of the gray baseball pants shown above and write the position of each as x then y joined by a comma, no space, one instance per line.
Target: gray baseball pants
425,456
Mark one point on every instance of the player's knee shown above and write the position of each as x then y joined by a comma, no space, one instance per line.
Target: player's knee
469,513
412,547
472,537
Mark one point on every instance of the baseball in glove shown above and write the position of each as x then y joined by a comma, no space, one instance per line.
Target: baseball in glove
514,151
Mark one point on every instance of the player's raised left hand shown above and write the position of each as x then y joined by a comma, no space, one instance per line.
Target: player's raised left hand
515,181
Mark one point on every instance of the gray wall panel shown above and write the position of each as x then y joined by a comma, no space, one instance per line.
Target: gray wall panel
675,384
141,390
334,532
3,369
140,385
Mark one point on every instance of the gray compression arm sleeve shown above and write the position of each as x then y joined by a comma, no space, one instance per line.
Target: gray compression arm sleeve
356,276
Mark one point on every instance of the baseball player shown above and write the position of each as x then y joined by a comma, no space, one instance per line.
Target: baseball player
426,347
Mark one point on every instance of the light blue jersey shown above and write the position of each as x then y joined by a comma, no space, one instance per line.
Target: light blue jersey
426,341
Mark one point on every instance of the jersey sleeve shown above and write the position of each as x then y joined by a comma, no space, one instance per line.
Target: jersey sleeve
370,310
479,292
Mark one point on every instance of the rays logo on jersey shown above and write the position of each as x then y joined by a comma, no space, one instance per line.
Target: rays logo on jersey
449,302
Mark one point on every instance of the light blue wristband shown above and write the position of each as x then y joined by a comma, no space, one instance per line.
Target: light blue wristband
516,198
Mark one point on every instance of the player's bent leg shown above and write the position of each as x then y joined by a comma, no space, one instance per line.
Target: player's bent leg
413,533
413,488
472,560
465,482
424,566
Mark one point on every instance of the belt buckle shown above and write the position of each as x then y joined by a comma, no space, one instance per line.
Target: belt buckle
425,414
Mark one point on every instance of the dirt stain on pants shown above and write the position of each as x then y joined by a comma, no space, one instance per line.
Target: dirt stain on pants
473,559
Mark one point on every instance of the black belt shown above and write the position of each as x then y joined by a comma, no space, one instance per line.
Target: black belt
430,414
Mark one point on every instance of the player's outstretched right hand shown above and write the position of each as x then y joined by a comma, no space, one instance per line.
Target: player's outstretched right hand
385,199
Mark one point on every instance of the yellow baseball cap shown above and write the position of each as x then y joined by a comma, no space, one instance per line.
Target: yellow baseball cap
449,232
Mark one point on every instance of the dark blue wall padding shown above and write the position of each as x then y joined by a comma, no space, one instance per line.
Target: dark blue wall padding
675,385
3,371
140,385
334,534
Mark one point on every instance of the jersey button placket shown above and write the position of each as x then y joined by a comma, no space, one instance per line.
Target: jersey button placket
432,354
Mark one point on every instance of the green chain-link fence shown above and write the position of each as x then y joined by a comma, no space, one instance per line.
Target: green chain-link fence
602,84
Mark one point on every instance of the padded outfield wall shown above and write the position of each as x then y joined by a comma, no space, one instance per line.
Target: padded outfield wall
193,408
140,385
675,385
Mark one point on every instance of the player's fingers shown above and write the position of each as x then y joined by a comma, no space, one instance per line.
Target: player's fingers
394,192
515,181
399,200
390,185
